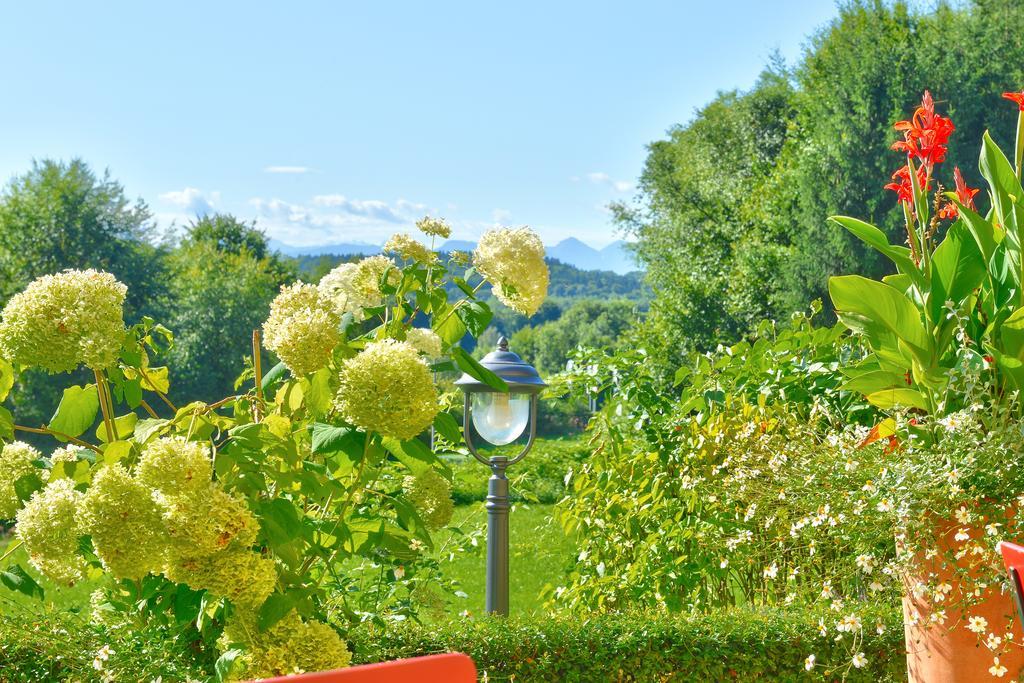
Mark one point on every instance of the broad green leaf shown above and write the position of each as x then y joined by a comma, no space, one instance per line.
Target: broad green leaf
1002,179
450,327
77,410
6,425
123,427
414,454
26,485
276,608
1011,332
118,450
145,429
893,398
957,269
17,579
876,239
330,439
870,382
471,366
276,374
225,663
318,396
447,427
6,379
475,315
986,235
874,308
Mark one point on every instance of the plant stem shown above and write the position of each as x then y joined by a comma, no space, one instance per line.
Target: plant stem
104,407
10,550
162,395
149,409
1019,156
258,371
58,435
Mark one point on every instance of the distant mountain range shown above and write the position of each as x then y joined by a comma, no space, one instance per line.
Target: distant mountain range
616,257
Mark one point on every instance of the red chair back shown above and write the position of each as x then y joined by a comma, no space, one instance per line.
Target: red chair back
1013,558
449,668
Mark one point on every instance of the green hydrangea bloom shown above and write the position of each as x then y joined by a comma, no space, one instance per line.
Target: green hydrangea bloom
513,261
434,226
303,328
50,528
127,532
16,463
175,467
209,521
410,249
351,287
388,389
431,495
65,320
244,577
291,646
425,341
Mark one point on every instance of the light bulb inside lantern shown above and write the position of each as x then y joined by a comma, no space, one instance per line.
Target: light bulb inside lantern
499,417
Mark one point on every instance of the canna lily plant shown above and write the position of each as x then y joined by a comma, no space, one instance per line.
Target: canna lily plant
955,304
244,523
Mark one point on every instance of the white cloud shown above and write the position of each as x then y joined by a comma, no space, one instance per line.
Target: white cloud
501,216
287,169
192,200
331,218
602,178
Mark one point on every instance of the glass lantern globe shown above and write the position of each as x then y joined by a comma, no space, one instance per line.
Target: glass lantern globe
500,418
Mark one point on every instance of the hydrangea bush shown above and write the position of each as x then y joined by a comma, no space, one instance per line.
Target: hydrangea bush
241,520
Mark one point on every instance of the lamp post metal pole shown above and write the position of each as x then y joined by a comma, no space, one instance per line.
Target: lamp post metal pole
497,538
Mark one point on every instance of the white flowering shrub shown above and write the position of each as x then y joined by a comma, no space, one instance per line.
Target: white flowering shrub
239,521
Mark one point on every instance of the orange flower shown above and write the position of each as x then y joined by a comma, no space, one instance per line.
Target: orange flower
963,193
926,133
1017,97
902,186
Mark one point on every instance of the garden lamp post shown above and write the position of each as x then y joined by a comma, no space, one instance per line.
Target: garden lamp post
500,418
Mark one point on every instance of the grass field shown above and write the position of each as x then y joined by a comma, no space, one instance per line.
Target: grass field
539,551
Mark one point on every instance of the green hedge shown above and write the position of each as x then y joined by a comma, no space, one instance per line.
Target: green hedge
737,645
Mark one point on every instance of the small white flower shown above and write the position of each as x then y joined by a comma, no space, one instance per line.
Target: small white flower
992,529
859,660
962,535
399,573
977,624
993,641
809,662
963,515
879,628
997,669
866,563
772,571
884,506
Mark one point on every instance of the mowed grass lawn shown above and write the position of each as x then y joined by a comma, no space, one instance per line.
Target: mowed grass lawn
538,554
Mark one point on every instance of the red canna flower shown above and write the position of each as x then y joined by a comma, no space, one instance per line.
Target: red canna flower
1017,97
963,193
902,186
926,134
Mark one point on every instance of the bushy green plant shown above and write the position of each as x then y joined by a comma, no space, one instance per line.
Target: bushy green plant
236,521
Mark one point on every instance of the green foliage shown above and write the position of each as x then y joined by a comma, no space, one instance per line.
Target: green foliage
744,645
539,478
730,226
217,294
589,323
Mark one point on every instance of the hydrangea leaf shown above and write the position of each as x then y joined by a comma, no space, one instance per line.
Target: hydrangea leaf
17,579
77,411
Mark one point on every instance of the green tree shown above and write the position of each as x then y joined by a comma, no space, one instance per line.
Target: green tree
222,281
61,215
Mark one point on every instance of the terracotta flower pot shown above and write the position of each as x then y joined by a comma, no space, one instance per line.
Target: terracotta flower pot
950,652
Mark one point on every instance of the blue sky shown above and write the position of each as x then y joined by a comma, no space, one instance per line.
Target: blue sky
331,121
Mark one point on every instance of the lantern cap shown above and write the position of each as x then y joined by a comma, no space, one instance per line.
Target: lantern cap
520,376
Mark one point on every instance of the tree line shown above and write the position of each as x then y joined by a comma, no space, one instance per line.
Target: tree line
730,217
